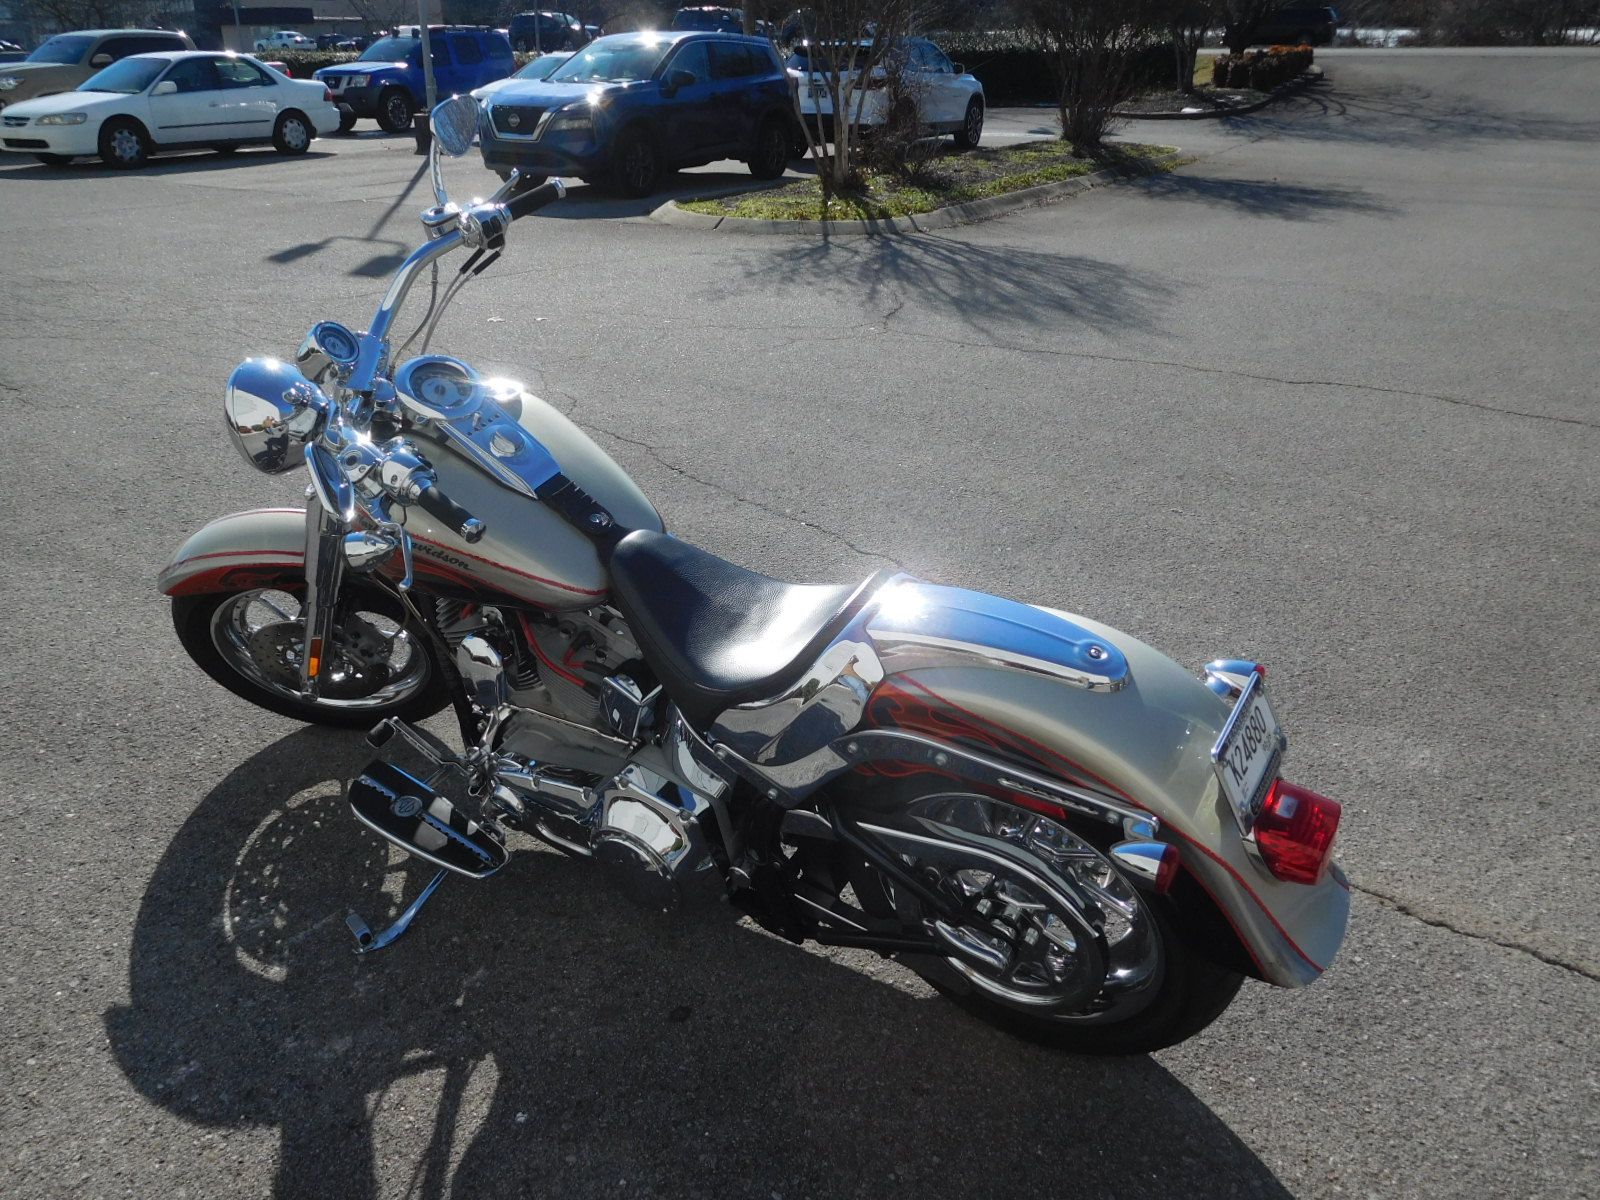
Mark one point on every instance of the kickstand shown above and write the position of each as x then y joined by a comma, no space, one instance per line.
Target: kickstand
369,941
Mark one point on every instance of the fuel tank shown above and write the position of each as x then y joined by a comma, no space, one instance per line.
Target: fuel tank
528,552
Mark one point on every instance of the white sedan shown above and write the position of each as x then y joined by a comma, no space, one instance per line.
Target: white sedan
152,103
948,100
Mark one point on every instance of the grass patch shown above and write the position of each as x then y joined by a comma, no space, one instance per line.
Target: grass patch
950,177
1203,64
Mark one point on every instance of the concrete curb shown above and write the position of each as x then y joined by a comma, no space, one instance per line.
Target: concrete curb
940,218
1305,79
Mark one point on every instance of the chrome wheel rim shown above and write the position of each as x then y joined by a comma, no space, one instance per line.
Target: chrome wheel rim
1098,963
261,635
125,145
294,135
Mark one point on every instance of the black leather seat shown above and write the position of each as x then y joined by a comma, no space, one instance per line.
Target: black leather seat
716,634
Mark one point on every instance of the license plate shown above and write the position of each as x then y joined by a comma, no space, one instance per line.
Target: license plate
1247,755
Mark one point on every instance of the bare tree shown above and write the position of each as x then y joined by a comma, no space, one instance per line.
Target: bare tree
845,46
1091,45
1187,22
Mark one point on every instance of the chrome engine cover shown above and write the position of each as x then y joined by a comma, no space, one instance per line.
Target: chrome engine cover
649,839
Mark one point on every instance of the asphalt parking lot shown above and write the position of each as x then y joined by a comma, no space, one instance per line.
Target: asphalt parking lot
1324,397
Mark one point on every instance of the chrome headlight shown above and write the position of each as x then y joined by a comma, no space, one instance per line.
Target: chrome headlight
271,408
62,119
351,81
7,82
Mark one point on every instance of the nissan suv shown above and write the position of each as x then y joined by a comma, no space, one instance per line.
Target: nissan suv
629,107
386,82
66,60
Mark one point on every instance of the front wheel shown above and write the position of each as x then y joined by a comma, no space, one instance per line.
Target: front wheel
394,111
251,643
1103,973
635,164
123,144
971,126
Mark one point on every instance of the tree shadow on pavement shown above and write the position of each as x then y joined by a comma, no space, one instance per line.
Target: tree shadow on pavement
1261,198
536,1035
1407,114
992,289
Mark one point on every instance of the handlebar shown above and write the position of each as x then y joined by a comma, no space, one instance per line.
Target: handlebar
532,200
439,506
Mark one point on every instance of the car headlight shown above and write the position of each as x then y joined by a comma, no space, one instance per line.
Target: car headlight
7,82
358,81
571,120
63,119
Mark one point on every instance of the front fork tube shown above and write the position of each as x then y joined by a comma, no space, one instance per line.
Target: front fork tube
324,574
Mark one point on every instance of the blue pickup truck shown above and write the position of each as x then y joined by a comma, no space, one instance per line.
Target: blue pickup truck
386,82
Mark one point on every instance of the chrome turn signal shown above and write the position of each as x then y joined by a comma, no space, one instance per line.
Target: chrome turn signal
368,551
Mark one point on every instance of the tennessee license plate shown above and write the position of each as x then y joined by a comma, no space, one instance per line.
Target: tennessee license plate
1247,755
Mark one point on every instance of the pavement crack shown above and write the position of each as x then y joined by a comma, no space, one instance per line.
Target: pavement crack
1395,904
1285,381
740,498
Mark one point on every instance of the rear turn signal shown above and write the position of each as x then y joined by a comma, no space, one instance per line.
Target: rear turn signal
1295,832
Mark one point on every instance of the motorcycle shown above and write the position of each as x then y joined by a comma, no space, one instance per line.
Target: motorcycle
1057,826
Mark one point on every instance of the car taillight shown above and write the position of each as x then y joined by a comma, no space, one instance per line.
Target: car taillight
327,94
1295,832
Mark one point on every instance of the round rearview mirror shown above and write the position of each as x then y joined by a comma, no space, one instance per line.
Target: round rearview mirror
455,124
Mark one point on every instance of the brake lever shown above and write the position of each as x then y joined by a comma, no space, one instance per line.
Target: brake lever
508,188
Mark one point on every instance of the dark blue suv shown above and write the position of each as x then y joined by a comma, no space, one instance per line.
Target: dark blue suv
386,82
628,107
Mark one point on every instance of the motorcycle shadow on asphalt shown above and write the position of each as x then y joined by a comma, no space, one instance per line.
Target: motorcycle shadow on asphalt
534,1034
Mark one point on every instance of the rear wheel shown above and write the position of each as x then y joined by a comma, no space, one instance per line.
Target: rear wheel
292,134
1055,944
251,643
769,157
394,111
347,118
123,144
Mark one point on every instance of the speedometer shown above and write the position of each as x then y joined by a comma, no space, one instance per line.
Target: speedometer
442,386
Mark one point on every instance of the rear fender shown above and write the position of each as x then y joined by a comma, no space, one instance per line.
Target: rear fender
264,547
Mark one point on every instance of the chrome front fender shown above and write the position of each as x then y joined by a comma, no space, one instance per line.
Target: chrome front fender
247,549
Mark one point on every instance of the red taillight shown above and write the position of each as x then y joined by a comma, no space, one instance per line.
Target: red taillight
327,98
1295,832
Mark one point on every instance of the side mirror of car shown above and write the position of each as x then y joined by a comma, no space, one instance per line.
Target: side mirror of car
165,88
101,60
958,68
677,79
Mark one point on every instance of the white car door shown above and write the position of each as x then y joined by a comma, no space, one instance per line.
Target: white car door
194,109
947,98
250,96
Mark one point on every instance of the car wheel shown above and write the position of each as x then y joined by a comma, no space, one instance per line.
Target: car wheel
123,144
292,134
971,125
347,118
770,156
54,160
635,164
394,111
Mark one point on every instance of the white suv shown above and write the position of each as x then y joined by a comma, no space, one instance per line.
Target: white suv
286,39
948,100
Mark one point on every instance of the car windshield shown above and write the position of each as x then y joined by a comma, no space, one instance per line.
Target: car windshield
128,77
391,49
541,67
615,60
67,48
823,56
